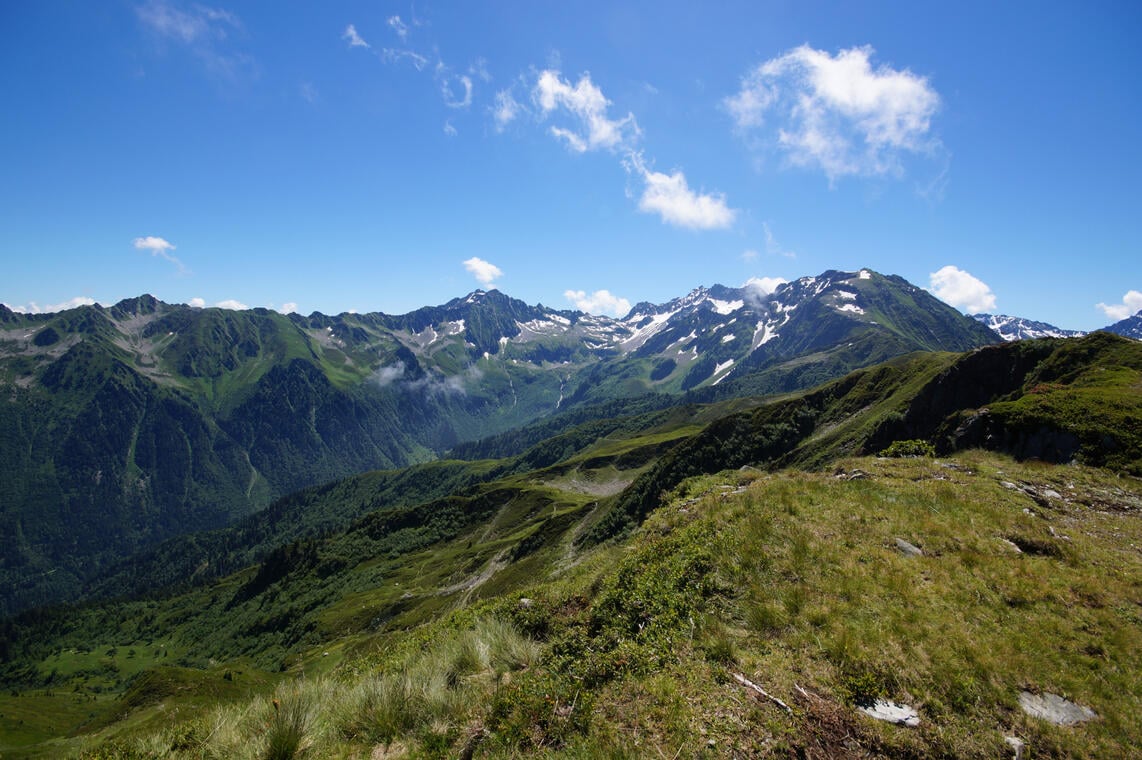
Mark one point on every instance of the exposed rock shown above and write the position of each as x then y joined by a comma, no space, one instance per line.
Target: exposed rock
892,712
1017,744
907,549
1012,545
1055,709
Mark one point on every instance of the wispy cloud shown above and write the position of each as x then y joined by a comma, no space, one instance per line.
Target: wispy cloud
1131,305
393,55
837,113
355,40
34,308
479,69
485,272
505,110
587,105
204,31
772,247
958,288
599,302
669,196
449,129
591,127
398,26
289,307
232,305
157,246
455,88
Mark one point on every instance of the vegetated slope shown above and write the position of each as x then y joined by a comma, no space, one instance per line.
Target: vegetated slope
109,446
127,425
1050,399
707,588
492,644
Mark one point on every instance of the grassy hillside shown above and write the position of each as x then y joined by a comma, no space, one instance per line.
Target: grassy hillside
615,589
1028,581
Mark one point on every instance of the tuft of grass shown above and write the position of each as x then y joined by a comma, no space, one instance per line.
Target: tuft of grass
289,727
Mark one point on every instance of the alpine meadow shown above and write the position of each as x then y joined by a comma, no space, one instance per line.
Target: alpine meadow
782,397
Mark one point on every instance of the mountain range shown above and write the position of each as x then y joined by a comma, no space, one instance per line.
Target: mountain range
123,426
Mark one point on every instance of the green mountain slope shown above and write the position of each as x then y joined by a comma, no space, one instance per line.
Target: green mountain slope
490,621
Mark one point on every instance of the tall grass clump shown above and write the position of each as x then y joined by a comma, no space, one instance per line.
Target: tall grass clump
439,690
287,735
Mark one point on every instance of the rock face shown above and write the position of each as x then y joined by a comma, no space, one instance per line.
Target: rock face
892,712
1055,709
907,549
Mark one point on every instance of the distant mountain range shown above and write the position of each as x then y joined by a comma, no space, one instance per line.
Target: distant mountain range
1018,328
125,425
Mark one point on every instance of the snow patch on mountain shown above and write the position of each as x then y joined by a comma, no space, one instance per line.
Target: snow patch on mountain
762,334
722,367
726,307
653,324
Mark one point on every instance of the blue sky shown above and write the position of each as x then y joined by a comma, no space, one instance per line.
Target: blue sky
378,156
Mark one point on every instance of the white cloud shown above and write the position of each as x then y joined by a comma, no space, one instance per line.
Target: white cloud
157,246
669,196
34,308
353,38
447,81
764,285
197,303
958,288
197,25
1131,305
398,26
749,255
838,113
587,104
418,61
484,272
449,129
479,68
232,305
289,307
599,302
206,32
505,110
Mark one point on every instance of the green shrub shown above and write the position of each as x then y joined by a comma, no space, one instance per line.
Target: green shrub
909,448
